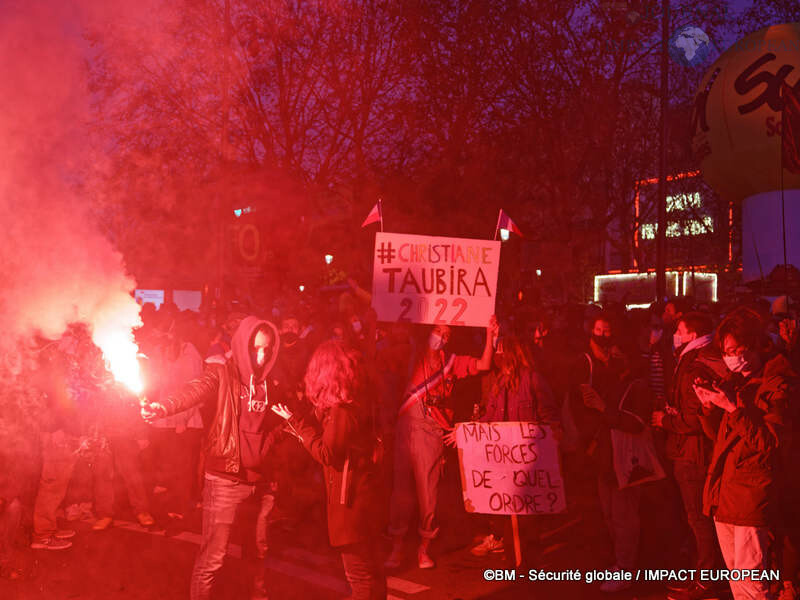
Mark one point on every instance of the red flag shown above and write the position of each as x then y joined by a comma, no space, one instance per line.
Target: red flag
374,216
790,130
505,222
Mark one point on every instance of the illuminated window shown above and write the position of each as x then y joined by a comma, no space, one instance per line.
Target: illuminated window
680,202
674,229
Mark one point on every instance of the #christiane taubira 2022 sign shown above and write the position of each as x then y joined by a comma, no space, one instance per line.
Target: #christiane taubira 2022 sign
434,280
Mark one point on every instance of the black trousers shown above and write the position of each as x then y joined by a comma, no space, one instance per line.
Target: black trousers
363,570
691,478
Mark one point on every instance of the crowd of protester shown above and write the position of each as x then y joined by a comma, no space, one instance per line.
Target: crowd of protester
318,411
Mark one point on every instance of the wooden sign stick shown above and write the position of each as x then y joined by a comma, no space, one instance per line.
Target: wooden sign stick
517,549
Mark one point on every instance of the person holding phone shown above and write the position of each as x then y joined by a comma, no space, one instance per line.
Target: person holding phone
237,444
747,475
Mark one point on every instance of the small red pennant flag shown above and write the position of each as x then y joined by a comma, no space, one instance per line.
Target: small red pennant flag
374,216
505,222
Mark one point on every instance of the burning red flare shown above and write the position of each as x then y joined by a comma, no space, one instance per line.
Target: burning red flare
120,350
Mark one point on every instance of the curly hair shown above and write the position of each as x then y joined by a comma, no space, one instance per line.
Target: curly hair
333,375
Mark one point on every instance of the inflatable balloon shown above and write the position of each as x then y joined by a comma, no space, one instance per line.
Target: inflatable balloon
736,128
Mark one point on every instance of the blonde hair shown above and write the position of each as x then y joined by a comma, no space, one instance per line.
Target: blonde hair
332,376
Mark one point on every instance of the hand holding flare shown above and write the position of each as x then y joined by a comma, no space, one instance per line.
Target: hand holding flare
151,410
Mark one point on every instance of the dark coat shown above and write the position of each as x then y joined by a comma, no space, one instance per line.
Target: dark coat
341,441
744,478
222,385
686,436
611,382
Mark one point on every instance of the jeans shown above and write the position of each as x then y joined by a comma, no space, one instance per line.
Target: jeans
58,461
746,548
418,457
221,499
621,512
690,478
364,571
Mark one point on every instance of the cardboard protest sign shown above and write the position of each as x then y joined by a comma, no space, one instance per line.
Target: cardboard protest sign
434,280
510,468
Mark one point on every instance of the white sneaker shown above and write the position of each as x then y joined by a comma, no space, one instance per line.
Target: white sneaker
423,560
489,544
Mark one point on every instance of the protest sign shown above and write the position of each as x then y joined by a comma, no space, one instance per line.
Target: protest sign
510,468
434,280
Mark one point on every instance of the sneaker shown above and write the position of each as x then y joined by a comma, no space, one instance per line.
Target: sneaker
695,591
102,523
64,534
395,557
487,545
50,543
678,587
145,519
423,560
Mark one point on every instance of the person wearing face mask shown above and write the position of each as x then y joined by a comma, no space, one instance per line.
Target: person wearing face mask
421,424
238,441
673,311
610,397
747,476
687,445
291,363
513,391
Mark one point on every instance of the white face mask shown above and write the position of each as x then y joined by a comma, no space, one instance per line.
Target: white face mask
735,364
435,342
746,363
356,326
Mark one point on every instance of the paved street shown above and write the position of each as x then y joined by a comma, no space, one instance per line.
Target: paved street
128,561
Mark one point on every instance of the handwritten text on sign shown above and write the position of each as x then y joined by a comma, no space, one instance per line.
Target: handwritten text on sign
510,468
435,280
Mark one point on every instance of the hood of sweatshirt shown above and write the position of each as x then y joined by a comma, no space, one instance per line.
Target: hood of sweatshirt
243,345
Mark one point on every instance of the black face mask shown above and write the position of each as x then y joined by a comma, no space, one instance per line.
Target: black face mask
289,338
602,340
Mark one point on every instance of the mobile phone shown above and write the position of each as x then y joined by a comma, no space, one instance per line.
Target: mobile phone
706,384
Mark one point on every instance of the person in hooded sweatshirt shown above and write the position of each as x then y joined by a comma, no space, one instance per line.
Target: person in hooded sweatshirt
237,444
